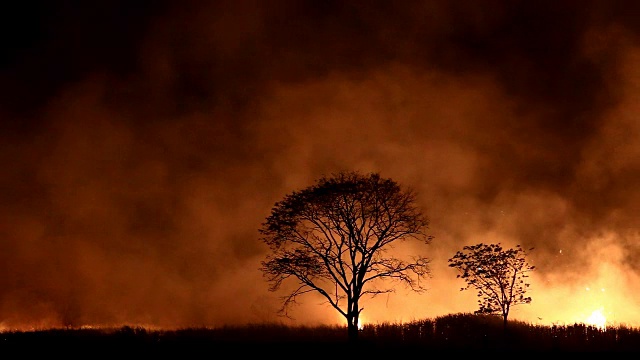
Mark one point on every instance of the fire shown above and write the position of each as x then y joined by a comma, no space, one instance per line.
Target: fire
597,319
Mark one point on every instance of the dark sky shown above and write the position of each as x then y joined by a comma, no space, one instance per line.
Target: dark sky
144,142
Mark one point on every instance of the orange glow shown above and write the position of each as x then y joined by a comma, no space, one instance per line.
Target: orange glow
121,205
598,293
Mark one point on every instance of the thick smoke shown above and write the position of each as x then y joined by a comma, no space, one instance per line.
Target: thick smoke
143,147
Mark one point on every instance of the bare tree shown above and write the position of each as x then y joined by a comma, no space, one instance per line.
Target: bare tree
334,238
498,275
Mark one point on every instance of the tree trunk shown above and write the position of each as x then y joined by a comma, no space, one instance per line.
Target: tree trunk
353,316
352,330
352,326
506,342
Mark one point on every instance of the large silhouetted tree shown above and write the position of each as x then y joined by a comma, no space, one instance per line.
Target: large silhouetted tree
498,274
335,238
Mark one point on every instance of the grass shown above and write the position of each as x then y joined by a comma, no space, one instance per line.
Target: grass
462,332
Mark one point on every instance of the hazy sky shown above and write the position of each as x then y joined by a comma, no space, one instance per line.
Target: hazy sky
143,145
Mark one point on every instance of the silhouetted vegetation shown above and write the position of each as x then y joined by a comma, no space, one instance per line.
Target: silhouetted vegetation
498,274
333,238
456,332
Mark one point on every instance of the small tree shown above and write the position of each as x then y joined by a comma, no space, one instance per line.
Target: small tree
498,275
334,238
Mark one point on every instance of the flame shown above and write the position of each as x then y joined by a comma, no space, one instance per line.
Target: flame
597,319
361,323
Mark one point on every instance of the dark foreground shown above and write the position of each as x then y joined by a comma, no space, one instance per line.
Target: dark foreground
453,333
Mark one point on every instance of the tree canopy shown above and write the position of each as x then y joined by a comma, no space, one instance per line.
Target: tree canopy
335,238
498,274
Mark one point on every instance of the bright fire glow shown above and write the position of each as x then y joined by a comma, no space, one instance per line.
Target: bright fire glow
360,323
597,319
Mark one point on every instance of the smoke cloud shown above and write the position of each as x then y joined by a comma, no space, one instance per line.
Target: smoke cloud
142,147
